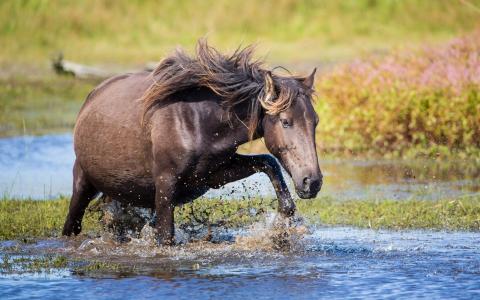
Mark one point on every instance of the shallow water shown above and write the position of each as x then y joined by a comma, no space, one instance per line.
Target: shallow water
41,167
335,263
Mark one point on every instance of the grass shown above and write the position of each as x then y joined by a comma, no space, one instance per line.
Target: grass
19,264
39,105
132,32
27,219
23,219
295,33
449,214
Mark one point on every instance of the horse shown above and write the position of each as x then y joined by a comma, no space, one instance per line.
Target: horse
164,138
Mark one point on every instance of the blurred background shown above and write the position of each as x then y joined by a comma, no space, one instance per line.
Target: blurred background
398,79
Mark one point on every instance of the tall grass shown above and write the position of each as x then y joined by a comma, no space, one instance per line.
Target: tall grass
423,101
137,31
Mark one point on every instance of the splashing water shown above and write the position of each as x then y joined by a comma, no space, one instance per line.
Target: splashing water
273,233
333,262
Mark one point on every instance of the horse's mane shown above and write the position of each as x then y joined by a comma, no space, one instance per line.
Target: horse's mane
237,78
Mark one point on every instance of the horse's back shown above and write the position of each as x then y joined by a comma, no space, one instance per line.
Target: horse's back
116,95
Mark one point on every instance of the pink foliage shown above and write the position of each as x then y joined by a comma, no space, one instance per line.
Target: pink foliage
453,66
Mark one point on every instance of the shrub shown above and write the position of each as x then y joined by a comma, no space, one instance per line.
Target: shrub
414,101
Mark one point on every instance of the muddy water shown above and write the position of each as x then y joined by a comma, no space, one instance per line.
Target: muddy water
40,167
309,263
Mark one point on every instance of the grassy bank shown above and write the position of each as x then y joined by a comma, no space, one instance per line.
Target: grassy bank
417,102
29,219
40,104
392,105
131,32
21,219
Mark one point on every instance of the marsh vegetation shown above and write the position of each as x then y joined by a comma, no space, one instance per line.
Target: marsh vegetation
33,219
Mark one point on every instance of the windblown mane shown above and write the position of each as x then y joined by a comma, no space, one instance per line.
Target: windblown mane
237,78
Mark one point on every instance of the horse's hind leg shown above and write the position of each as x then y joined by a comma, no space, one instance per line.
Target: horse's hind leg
83,193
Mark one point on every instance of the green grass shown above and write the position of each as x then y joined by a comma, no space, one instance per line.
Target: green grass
32,264
450,214
39,105
298,34
131,32
24,219
20,264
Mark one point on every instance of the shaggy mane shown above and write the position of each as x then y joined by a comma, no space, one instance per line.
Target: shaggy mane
237,78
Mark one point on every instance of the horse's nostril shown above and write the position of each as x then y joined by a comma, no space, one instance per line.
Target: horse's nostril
306,184
306,181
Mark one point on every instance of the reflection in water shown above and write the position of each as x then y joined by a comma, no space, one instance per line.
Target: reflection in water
40,167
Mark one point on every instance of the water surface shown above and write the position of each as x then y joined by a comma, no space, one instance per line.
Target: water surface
333,263
41,168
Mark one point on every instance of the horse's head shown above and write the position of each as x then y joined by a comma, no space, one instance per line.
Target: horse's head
290,134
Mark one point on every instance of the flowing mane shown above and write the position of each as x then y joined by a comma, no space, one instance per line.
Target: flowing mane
238,79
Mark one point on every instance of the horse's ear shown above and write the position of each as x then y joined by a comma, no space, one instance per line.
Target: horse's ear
269,87
310,79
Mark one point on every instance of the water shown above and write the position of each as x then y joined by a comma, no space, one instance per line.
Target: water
41,167
320,262
336,263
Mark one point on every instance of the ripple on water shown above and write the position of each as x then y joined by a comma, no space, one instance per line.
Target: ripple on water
335,262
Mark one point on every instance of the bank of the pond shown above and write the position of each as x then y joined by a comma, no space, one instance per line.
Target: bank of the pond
25,219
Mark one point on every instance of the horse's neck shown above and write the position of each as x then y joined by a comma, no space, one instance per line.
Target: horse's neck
232,129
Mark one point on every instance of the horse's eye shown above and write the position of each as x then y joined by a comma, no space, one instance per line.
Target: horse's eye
285,123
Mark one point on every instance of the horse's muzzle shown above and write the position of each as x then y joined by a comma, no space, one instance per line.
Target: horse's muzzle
310,187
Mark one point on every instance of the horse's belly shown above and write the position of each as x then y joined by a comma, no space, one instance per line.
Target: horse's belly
140,193
121,181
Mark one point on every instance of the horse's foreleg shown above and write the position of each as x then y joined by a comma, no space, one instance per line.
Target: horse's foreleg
242,166
164,208
83,193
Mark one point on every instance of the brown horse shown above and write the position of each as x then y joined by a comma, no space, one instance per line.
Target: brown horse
164,138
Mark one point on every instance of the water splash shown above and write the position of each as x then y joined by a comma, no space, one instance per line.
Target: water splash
272,235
